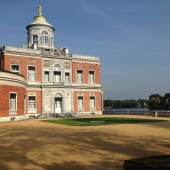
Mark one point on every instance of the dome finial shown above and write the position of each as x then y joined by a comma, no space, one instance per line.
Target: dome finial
39,10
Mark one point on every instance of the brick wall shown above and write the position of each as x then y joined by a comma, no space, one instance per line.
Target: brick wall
4,99
23,63
86,100
86,67
38,95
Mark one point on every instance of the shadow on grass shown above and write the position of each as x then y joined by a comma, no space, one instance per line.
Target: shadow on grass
161,162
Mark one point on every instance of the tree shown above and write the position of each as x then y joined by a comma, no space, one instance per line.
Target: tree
156,101
167,101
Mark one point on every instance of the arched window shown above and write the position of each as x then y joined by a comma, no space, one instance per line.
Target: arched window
57,67
44,38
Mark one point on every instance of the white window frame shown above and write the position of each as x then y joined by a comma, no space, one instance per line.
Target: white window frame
89,77
59,76
44,38
78,78
32,110
13,112
92,108
14,71
82,108
57,68
33,39
28,73
25,104
67,80
45,76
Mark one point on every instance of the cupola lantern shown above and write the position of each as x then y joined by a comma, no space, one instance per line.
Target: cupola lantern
40,34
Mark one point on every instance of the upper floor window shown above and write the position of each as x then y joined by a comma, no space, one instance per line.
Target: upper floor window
13,102
67,77
57,76
46,76
80,76
15,68
91,77
57,73
44,38
31,73
35,39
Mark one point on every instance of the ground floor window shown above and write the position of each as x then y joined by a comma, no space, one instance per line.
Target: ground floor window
80,103
13,102
25,104
32,103
92,102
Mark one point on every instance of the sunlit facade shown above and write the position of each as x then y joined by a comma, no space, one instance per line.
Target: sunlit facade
41,79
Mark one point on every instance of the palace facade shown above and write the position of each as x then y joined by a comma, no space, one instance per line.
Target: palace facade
42,80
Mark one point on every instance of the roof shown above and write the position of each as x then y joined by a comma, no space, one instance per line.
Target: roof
40,20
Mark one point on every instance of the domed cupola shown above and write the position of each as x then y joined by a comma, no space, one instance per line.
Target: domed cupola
40,33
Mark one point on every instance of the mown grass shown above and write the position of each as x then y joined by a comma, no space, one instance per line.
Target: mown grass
100,121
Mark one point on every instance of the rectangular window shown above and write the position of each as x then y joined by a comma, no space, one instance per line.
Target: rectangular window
80,76
32,103
13,102
80,103
31,73
25,104
67,77
46,76
57,76
91,77
92,102
35,39
15,68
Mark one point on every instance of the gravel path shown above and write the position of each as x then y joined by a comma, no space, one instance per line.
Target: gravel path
36,145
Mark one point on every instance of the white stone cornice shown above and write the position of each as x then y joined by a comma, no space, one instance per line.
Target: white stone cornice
7,78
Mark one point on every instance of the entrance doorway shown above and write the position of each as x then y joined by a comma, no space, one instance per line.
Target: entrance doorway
58,104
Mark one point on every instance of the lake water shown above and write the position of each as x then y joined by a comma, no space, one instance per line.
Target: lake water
136,111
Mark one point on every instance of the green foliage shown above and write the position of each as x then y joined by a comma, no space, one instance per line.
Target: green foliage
157,102
140,103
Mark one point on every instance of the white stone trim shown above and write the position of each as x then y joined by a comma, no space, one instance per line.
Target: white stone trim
85,57
16,118
89,113
87,90
12,79
10,83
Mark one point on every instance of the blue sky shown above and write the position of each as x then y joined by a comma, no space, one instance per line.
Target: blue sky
132,38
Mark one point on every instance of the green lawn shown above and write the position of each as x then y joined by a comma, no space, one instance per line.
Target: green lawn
100,121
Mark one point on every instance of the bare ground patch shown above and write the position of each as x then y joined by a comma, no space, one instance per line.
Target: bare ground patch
39,145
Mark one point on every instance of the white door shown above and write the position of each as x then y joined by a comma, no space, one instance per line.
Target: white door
58,104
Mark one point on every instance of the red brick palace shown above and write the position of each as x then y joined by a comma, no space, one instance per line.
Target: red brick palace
43,80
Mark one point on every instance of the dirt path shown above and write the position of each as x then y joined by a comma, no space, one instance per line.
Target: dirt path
36,145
